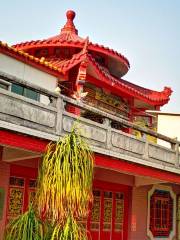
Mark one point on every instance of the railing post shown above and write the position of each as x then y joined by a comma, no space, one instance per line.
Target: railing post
59,119
173,146
52,101
107,123
146,150
177,155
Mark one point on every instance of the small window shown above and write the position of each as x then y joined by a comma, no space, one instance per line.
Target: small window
26,92
32,183
58,52
41,53
14,181
31,94
161,213
17,89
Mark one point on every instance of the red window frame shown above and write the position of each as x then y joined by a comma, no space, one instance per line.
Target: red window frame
161,213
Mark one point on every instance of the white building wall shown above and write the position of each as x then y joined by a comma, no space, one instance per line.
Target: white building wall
169,125
27,73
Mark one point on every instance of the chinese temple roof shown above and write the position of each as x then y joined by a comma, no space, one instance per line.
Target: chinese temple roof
68,37
110,75
150,96
29,59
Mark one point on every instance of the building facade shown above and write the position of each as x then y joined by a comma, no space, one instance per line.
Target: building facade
164,119
45,85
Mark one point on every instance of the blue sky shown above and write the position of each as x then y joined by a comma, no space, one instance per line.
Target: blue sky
147,32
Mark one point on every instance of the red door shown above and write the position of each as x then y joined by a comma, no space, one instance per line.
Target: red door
22,184
108,219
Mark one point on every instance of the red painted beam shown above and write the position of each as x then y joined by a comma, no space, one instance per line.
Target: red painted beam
25,172
17,140
135,169
14,139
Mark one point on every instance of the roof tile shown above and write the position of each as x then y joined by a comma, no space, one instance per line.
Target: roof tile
28,56
154,96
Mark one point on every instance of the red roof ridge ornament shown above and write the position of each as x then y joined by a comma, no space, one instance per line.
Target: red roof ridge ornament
86,43
69,38
168,91
69,26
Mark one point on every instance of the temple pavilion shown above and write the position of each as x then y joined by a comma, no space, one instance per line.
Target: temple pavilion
134,198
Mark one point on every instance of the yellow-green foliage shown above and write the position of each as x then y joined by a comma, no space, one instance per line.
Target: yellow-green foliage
25,227
65,179
64,191
72,230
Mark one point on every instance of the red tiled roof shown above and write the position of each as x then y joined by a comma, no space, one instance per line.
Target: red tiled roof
151,96
62,66
64,37
66,65
147,95
4,47
72,40
68,37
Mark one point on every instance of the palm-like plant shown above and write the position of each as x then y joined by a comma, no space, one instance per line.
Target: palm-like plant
64,191
65,179
25,227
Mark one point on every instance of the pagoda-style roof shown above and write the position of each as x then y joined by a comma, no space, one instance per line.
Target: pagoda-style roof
85,51
103,75
68,37
150,96
29,59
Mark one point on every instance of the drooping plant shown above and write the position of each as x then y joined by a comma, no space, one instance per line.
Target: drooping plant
64,191
25,227
72,230
65,179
